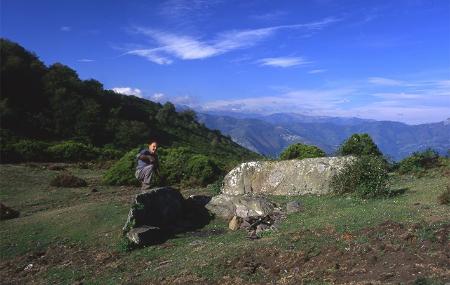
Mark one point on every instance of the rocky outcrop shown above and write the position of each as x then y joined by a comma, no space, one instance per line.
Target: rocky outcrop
159,213
243,206
288,177
152,213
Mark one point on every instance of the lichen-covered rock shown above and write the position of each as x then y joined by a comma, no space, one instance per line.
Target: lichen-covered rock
243,206
288,177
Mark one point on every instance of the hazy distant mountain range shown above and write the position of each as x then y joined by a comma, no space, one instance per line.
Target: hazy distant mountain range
270,134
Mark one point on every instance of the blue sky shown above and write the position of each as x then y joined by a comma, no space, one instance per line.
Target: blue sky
384,60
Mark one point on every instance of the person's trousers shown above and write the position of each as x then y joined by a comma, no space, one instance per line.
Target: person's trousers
144,175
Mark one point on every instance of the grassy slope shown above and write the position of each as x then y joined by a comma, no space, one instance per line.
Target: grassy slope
78,232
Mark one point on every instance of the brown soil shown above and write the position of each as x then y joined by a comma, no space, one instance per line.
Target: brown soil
390,254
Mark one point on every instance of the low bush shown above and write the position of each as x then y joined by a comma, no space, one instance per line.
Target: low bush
72,151
419,161
178,165
200,170
366,177
29,150
66,179
301,151
122,172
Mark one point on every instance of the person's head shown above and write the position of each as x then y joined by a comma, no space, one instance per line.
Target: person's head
152,146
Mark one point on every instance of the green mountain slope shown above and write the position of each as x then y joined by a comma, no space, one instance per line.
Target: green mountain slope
53,104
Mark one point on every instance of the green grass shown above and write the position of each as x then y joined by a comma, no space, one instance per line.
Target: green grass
93,221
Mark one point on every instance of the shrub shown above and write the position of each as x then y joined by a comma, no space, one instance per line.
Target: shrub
359,144
366,177
66,179
108,153
201,170
25,150
301,151
419,161
216,186
122,172
179,165
72,151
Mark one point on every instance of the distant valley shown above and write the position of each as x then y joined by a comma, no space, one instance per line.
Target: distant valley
270,134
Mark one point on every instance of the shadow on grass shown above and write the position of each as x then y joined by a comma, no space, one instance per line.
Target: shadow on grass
398,192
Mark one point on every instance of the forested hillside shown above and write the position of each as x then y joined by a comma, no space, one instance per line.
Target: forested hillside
52,104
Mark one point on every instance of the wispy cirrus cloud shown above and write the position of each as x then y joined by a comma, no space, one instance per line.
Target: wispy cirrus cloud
386,81
170,46
315,71
85,60
283,61
413,102
65,29
128,91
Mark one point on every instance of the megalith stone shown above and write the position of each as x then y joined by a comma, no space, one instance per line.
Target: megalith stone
152,213
287,177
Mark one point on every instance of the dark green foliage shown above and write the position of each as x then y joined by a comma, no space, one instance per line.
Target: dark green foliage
24,150
359,144
444,197
201,170
301,151
54,104
419,161
367,177
122,172
216,186
66,179
179,165
72,151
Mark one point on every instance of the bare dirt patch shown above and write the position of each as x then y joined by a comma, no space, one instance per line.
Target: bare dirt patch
388,253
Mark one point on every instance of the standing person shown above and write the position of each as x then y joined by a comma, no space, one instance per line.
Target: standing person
147,164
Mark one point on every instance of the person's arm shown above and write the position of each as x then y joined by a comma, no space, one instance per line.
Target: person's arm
147,158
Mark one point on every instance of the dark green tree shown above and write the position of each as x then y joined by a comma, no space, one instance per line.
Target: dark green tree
301,151
359,144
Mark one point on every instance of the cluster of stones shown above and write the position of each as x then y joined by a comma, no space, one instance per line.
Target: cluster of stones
242,200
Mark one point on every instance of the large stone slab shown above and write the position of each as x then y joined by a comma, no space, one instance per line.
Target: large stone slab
243,206
288,177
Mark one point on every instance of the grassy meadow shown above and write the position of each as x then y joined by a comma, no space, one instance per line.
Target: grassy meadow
73,236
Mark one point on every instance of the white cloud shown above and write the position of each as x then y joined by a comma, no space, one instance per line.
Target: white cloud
171,45
283,61
158,97
128,91
315,71
85,60
65,29
386,81
413,105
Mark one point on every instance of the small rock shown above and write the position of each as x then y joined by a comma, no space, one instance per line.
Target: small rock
145,235
56,167
245,224
234,223
260,228
252,235
7,213
294,207
28,267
